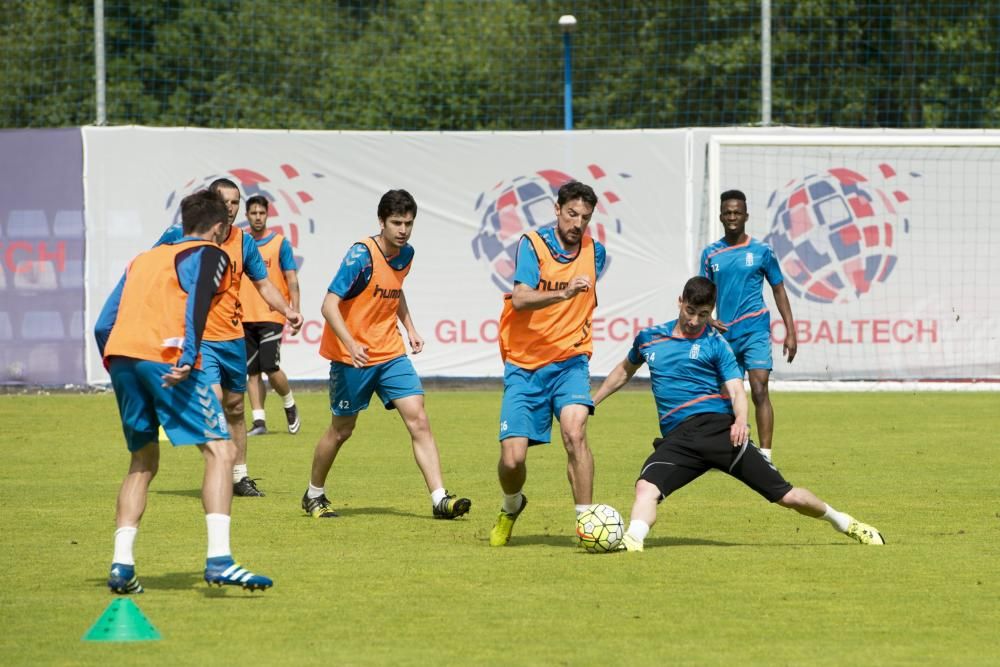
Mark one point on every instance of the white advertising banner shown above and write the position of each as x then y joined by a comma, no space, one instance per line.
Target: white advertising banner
885,244
476,192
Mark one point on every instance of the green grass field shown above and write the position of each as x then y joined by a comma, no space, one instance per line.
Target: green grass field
725,578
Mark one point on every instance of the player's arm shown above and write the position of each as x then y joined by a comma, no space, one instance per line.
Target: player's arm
199,273
109,315
526,273
403,312
617,378
791,345
739,432
331,313
286,259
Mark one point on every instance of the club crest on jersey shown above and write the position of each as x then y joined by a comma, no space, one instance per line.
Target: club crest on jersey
693,352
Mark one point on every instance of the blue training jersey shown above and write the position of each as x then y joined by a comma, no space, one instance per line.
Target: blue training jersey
253,264
356,269
686,373
286,257
738,272
526,267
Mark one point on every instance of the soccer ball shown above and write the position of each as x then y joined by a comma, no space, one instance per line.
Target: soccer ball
599,529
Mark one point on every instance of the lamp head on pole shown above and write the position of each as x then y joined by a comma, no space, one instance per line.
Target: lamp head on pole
567,23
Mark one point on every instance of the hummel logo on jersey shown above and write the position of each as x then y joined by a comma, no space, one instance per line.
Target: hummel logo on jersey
693,352
749,259
387,293
549,285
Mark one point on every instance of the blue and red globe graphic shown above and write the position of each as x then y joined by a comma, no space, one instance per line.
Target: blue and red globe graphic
524,203
287,190
835,233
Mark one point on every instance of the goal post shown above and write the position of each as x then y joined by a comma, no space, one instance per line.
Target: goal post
886,245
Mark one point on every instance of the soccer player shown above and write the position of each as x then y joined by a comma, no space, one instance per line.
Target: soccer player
149,333
701,428
262,325
738,265
545,341
366,352
225,354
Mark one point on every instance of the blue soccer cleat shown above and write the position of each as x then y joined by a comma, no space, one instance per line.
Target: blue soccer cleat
123,581
224,571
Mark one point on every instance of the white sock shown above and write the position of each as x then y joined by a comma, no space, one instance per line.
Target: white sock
838,520
580,509
259,415
288,399
218,535
638,530
512,503
315,491
437,495
239,472
124,540
766,453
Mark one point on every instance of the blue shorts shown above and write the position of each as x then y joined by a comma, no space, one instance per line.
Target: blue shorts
351,388
752,350
224,362
531,398
189,412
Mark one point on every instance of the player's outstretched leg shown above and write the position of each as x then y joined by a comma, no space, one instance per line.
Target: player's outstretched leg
805,502
224,571
123,581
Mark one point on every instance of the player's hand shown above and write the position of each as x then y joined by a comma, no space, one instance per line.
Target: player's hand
295,320
359,355
739,433
416,342
176,375
791,346
718,326
576,285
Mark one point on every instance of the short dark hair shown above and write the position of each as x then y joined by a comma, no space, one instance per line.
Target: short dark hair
396,202
201,210
576,190
222,183
260,200
699,291
732,194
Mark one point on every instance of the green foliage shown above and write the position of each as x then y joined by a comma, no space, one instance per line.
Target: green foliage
725,578
478,65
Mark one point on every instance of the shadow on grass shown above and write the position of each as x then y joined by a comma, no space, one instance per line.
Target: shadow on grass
187,493
173,581
361,511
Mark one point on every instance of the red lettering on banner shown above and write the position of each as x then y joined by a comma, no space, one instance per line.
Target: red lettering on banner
850,332
19,256
461,331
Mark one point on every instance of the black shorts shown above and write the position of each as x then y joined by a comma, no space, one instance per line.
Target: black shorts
263,340
701,443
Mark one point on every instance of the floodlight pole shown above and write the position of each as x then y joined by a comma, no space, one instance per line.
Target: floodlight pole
765,63
567,23
100,71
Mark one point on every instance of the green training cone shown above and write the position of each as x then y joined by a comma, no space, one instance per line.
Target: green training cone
122,622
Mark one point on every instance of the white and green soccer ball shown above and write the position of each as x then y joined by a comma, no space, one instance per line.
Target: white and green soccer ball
599,528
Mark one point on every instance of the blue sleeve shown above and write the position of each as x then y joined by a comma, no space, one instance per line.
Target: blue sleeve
703,269
253,264
772,271
354,273
634,355
725,361
199,273
526,264
109,313
172,235
600,258
286,259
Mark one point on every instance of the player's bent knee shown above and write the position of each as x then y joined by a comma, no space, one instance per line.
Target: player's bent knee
794,499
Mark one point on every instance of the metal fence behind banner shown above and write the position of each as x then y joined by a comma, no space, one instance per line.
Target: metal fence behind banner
484,65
